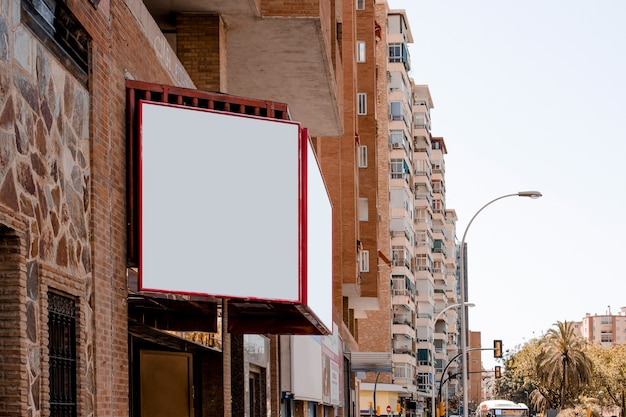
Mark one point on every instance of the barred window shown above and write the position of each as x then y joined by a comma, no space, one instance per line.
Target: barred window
53,23
362,104
62,346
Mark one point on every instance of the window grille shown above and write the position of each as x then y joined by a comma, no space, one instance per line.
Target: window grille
53,23
362,104
62,347
364,261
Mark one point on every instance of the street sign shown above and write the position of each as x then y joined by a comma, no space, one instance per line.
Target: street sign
388,409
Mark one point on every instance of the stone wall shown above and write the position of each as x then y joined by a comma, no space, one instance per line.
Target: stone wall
63,198
45,181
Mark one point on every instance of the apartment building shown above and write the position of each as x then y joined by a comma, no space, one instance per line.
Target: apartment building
402,171
87,330
607,329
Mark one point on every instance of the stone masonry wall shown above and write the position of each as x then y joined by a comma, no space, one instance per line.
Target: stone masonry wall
45,179
63,199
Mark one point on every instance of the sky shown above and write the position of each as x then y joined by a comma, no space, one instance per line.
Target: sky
530,95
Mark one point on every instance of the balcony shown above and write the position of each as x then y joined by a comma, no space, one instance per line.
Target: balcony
403,300
266,51
403,355
440,295
421,121
403,329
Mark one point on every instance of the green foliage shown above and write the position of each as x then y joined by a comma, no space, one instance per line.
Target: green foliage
580,411
561,370
562,363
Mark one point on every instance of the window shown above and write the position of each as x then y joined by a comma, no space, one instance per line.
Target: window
399,169
423,262
395,52
399,53
360,4
400,257
399,287
360,51
395,110
363,210
421,121
52,22
437,186
606,338
403,370
362,103
423,381
423,239
397,138
364,261
62,347
423,356
438,246
362,156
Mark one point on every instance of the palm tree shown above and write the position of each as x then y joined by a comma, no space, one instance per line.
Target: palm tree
563,363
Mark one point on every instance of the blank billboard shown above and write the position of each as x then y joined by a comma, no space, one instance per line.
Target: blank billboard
232,206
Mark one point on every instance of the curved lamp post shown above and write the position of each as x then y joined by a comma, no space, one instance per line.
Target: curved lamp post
434,387
531,194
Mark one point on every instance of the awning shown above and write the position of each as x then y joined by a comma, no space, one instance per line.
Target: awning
370,361
369,386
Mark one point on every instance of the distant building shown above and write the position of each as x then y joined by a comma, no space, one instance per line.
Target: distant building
475,371
607,329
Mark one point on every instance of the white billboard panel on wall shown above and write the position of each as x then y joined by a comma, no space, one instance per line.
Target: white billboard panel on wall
306,368
232,206
319,243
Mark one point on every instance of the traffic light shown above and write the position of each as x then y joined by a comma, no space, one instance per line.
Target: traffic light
497,348
442,408
378,410
398,408
498,371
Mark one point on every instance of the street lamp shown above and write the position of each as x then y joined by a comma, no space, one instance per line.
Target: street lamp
531,194
434,386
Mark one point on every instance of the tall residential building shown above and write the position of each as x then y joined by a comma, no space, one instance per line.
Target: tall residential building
407,231
217,115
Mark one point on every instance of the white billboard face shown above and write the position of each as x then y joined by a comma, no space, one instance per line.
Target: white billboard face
319,243
232,206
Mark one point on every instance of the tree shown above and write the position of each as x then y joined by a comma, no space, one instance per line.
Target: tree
563,363
609,374
525,380
521,382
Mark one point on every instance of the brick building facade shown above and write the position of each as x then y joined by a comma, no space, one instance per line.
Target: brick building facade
72,339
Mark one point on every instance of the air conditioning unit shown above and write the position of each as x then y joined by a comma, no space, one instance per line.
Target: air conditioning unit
397,145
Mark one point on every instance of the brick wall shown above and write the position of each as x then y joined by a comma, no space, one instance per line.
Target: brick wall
201,48
14,378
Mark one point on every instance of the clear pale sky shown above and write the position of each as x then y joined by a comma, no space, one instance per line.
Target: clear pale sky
531,95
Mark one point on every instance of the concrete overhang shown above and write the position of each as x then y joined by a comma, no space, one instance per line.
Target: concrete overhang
280,58
361,305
